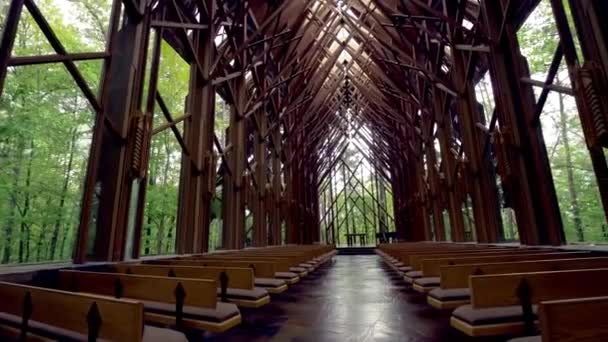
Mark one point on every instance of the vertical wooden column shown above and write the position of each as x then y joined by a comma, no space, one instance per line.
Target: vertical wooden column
305,227
486,208
121,99
314,208
234,221
277,189
234,232
260,217
289,200
417,215
532,190
334,233
444,134
425,206
434,186
401,227
198,169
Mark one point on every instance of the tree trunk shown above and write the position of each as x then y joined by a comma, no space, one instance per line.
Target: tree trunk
161,227
70,229
63,195
24,237
574,207
151,183
345,201
12,204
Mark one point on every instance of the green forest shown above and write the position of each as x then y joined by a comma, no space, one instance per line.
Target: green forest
575,183
46,129
45,136
354,199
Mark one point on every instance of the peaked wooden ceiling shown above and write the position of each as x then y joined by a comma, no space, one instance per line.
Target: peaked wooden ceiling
350,71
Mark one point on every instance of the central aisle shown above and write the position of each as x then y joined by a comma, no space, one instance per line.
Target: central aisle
353,299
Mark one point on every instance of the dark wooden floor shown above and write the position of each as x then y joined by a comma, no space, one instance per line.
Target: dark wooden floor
353,299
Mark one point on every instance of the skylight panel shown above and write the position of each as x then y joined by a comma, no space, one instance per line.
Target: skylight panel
467,24
343,34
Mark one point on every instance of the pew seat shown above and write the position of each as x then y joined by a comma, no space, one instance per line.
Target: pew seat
426,284
489,321
410,276
404,269
300,271
323,258
272,285
309,266
289,277
219,319
527,339
249,298
448,298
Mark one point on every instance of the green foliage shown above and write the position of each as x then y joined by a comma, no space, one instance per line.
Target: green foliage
45,136
573,175
354,205
160,221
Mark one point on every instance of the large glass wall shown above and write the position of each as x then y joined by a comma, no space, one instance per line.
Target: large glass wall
575,182
45,133
162,194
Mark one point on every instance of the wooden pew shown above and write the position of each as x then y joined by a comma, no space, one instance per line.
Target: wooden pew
300,263
570,320
574,320
419,259
416,260
301,259
282,265
264,271
430,278
236,284
507,303
454,290
186,303
402,254
402,262
42,314
398,258
311,255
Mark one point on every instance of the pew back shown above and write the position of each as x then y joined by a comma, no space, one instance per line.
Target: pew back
238,278
416,260
457,276
405,256
508,289
431,267
199,292
261,269
122,320
574,320
281,264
